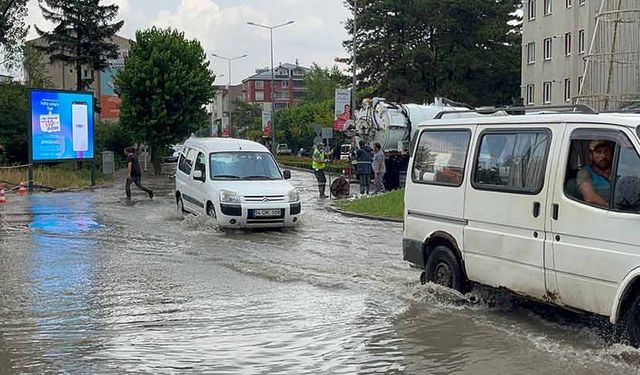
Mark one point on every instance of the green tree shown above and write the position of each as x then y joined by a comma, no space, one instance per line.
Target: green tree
81,36
295,125
35,68
12,27
321,83
247,119
14,123
164,87
413,50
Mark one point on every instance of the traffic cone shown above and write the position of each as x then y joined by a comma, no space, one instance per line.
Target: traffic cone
3,198
22,190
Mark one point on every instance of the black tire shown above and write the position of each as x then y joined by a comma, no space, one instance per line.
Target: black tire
180,204
444,269
632,323
211,210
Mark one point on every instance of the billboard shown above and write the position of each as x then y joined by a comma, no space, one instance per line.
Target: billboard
109,101
342,109
226,131
267,125
61,125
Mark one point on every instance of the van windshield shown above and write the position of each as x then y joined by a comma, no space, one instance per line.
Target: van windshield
243,166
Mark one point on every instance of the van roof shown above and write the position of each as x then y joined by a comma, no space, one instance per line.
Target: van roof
215,144
630,120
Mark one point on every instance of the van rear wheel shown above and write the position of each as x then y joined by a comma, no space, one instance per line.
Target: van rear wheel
444,269
632,322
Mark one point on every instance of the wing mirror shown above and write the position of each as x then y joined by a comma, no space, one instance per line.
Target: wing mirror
198,175
286,174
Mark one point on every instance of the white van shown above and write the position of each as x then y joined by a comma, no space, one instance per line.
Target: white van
545,205
237,182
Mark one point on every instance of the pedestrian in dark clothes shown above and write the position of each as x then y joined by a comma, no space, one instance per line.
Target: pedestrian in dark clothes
134,173
363,167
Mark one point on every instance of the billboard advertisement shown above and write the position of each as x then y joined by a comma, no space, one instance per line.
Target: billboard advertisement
267,126
109,101
226,131
61,125
342,109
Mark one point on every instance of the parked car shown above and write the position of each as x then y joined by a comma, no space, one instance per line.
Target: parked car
283,149
236,182
175,153
513,202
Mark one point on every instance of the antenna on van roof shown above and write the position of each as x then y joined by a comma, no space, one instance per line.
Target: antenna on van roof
576,108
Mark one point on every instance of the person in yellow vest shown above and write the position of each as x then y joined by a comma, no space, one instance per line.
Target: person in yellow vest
319,165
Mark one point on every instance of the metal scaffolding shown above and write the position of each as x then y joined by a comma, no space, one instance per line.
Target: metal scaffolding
612,66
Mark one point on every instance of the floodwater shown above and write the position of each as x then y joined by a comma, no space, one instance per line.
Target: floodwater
89,284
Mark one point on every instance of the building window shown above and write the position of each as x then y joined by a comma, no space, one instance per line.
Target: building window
512,162
546,93
569,3
298,72
548,7
581,41
567,89
567,44
531,53
579,84
260,95
582,2
285,84
259,84
532,10
440,157
547,48
280,105
530,94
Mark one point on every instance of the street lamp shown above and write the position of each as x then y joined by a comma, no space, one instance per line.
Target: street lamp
229,60
273,122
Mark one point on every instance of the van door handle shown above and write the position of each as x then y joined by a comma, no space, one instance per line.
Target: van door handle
555,208
536,209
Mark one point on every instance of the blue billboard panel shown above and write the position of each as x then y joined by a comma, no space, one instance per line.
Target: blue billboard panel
61,125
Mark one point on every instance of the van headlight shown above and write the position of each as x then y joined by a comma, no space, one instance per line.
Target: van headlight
294,196
227,196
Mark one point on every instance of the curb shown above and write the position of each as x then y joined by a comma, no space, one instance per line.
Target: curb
364,216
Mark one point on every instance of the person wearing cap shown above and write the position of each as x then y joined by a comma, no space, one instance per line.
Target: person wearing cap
318,164
594,180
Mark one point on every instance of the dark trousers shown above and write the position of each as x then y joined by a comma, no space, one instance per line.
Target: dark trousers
365,180
322,180
135,180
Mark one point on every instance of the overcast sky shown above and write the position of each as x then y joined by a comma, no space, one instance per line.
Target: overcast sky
221,27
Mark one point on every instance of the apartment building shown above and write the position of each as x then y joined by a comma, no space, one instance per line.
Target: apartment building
555,40
288,86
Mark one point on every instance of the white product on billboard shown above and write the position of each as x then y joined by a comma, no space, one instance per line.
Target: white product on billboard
50,123
80,126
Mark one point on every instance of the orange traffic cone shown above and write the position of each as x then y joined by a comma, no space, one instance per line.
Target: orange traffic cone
22,190
3,198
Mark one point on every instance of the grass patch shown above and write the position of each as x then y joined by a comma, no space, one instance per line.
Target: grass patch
305,163
57,177
389,205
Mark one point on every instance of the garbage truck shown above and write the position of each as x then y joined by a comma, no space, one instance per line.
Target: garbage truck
394,126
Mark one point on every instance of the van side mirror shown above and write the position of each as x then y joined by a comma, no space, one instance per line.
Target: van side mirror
198,176
286,174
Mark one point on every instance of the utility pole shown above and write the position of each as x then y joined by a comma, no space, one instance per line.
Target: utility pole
273,122
229,60
353,60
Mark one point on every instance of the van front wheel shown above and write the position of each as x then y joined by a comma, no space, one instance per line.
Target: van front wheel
444,269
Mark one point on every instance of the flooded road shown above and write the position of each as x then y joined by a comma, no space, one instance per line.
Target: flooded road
89,284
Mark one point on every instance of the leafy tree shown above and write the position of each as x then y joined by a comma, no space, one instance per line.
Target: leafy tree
35,68
321,83
246,118
14,123
12,26
164,87
413,50
295,125
82,34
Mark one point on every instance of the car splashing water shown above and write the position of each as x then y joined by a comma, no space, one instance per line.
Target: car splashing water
91,284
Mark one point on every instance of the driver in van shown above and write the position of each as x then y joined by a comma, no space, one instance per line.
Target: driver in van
594,179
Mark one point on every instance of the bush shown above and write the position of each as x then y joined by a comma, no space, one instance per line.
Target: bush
112,136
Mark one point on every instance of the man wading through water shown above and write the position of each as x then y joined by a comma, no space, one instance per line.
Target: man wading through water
134,174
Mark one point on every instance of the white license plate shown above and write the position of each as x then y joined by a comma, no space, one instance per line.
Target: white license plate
267,213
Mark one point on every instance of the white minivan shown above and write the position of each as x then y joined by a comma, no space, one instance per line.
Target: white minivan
546,205
237,182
